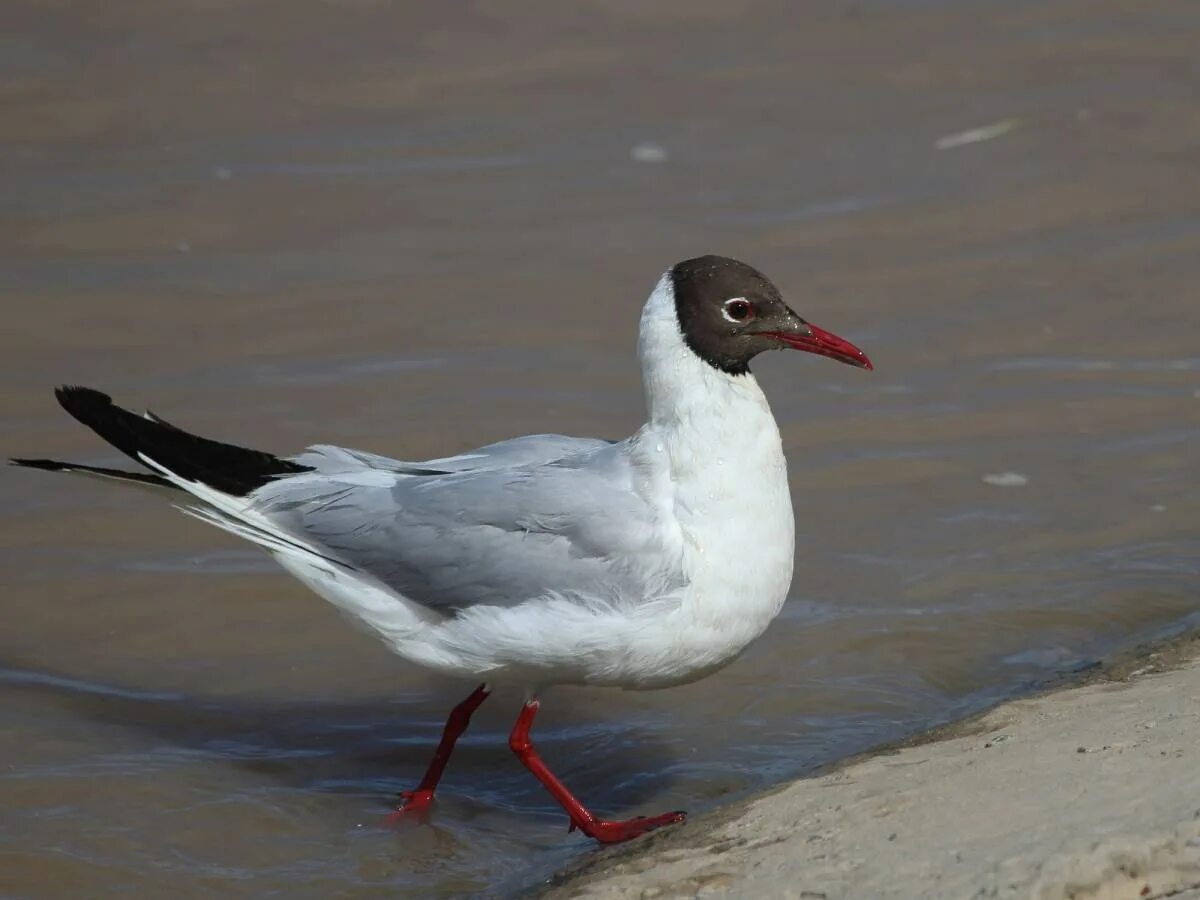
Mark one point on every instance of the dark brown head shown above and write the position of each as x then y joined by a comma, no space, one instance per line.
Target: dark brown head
729,313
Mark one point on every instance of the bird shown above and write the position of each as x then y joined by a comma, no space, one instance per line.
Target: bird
541,560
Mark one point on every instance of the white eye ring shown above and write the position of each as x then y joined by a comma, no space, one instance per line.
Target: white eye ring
749,307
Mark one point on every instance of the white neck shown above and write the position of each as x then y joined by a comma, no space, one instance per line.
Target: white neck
713,460
679,385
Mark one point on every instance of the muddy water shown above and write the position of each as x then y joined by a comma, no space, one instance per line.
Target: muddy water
414,229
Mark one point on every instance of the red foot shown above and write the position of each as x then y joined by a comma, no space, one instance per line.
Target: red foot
416,803
616,832
415,806
580,816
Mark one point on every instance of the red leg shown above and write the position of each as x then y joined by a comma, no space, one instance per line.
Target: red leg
416,802
581,817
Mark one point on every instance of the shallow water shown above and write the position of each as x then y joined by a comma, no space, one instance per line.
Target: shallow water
415,231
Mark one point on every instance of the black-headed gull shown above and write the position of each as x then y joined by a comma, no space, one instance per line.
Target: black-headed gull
545,559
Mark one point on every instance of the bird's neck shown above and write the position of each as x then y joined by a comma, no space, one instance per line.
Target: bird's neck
711,457
683,392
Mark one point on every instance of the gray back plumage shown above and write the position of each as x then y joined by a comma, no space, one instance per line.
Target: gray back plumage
521,519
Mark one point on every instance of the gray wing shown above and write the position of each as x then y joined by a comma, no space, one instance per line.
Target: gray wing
501,525
530,450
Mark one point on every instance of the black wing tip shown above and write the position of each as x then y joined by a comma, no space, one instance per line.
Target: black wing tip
50,465
225,467
54,465
77,399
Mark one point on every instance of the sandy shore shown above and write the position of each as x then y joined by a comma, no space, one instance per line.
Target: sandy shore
1090,791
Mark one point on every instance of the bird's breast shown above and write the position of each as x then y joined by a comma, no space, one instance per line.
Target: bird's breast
734,512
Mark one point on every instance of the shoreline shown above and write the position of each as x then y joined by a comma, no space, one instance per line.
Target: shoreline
1087,788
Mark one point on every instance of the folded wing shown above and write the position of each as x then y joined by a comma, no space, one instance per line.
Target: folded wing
397,542
478,529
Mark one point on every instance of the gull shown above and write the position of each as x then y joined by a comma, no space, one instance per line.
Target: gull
539,560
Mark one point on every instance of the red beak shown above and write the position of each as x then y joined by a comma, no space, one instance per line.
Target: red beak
824,343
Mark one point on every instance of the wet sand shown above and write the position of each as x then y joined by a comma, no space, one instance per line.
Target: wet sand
1084,792
415,228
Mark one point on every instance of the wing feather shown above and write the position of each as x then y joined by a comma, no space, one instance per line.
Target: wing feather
485,534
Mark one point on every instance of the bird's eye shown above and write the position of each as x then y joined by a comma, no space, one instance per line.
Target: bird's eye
738,309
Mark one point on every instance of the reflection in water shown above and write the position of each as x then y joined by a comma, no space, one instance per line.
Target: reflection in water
417,229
